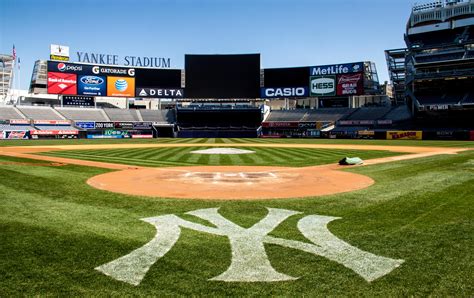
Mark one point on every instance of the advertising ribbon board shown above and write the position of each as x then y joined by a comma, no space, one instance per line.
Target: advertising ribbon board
62,83
85,124
323,86
159,92
284,92
104,125
350,84
404,135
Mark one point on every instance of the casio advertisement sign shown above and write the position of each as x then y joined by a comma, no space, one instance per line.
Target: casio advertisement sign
284,92
323,86
336,69
159,92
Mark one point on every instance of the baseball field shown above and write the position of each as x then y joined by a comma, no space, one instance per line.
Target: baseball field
272,217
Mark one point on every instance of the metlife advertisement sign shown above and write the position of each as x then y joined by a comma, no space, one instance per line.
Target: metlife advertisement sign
336,69
322,86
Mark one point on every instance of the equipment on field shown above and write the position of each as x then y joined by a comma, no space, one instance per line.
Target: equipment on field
350,161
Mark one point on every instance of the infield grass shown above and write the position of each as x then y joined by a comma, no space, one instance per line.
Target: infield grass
55,230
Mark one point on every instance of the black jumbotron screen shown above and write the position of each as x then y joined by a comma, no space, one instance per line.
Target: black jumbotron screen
222,76
286,77
163,78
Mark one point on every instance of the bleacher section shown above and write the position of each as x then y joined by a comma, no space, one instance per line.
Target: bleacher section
160,116
399,113
51,127
81,114
40,113
329,114
122,115
7,113
373,113
8,127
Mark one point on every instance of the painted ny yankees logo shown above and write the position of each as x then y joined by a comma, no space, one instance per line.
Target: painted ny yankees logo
249,261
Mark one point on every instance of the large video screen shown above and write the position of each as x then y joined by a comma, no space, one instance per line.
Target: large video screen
163,78
222,76
286,77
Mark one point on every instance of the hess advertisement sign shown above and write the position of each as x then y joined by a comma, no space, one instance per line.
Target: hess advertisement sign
121,86
323,86
62,83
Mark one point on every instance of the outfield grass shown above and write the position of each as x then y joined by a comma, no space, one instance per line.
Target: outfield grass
159,157
424,143
55,230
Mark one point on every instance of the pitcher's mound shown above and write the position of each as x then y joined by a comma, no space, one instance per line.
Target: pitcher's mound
234,183
223,151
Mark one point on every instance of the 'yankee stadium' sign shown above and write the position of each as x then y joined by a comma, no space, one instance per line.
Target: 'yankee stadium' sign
95,58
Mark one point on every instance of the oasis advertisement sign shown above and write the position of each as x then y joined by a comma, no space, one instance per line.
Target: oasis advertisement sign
336,69
323,86
284,92
92,85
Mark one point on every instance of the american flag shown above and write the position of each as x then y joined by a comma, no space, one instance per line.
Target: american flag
18,63
14,53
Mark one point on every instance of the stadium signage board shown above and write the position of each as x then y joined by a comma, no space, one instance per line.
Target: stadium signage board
136,61
62,83
350,84
85,124
123,125
142,125
121,86
159,92
92,85
59,53
323,86
53,132
284,92
104,125
336,69
404,135
63,67
51,122
19,121
287,124
78,101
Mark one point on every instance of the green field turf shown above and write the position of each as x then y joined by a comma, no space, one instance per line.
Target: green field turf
55,230
158,157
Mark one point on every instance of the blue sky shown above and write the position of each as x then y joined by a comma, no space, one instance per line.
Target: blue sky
287,33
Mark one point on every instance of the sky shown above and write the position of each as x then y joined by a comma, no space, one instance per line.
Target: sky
287,33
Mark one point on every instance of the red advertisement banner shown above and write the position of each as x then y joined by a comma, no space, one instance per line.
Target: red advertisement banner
51,122
53,132
62,83
350,84
280,124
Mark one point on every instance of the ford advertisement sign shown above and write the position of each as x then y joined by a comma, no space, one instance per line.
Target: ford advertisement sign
92,85
323,86
336,69
284,92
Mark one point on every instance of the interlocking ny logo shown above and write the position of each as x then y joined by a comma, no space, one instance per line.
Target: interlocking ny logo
249,262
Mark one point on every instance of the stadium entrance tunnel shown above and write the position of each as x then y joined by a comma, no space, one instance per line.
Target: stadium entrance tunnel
231,183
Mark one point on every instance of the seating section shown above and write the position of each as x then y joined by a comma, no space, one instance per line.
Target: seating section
7,127
39,113
373,113
447,98
78,114
291,115
329,114
469,99
122,115
399,113
52,127
7,113
163,116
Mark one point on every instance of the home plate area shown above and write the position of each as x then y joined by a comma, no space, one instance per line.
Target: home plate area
231,183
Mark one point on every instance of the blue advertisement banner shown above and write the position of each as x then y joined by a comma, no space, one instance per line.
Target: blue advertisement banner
284,92
92,85
85,125
336,69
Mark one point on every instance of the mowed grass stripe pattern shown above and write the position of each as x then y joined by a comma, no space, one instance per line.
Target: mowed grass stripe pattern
160,157
55,229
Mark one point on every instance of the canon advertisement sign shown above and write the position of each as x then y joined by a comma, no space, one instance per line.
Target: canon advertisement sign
323,86
336,69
